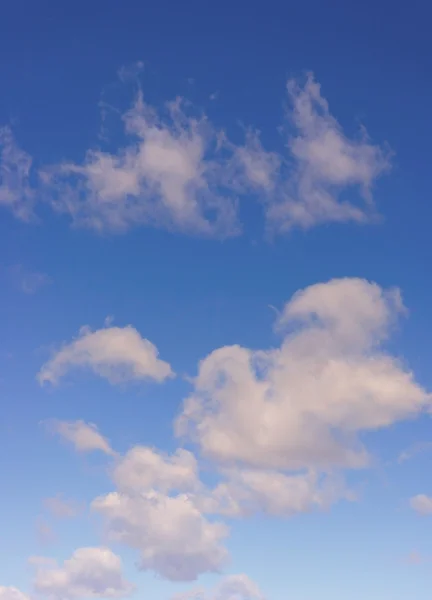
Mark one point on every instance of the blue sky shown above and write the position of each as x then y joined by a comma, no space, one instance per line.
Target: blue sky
214,241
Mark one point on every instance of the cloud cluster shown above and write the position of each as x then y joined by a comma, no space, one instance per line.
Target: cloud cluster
89,573
178,172
304,404
118,354
277,426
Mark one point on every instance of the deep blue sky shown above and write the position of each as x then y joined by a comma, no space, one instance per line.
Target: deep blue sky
190,295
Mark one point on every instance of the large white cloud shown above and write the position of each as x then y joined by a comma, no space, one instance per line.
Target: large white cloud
89,573
304,404
116,353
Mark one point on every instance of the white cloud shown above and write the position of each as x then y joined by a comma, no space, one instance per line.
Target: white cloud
57,505
231,587
147,513
118,354
304,404
178,172
143,469
12,593
89,573
16,192
245,492
305,188
173,537
327,163
422,504
85,437
168,176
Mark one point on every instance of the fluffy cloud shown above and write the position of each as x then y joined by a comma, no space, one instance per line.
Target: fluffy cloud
143,469
232,587
16,192
173,537
244,492
89,573
147,512
324,164
116,353
85,437
12,593
169,176
422,504
304,404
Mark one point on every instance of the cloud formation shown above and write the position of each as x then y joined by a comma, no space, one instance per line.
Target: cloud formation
85,437
179,172
173,537
16,191
89,573
118,354
304,404
168,176
325,164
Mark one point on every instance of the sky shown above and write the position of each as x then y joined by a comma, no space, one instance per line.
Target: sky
215,308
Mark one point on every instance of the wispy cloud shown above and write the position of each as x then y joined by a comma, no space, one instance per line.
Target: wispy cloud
29,281
16,192
179,172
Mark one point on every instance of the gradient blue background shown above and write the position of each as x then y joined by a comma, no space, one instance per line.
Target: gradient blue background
189,296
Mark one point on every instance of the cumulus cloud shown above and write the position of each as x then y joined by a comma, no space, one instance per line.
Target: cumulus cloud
85,437
153,511
304,405
16,192
169,175
173,537
231,587
12,593
118,354
244,492
422,504
325,163
143,469
89,573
